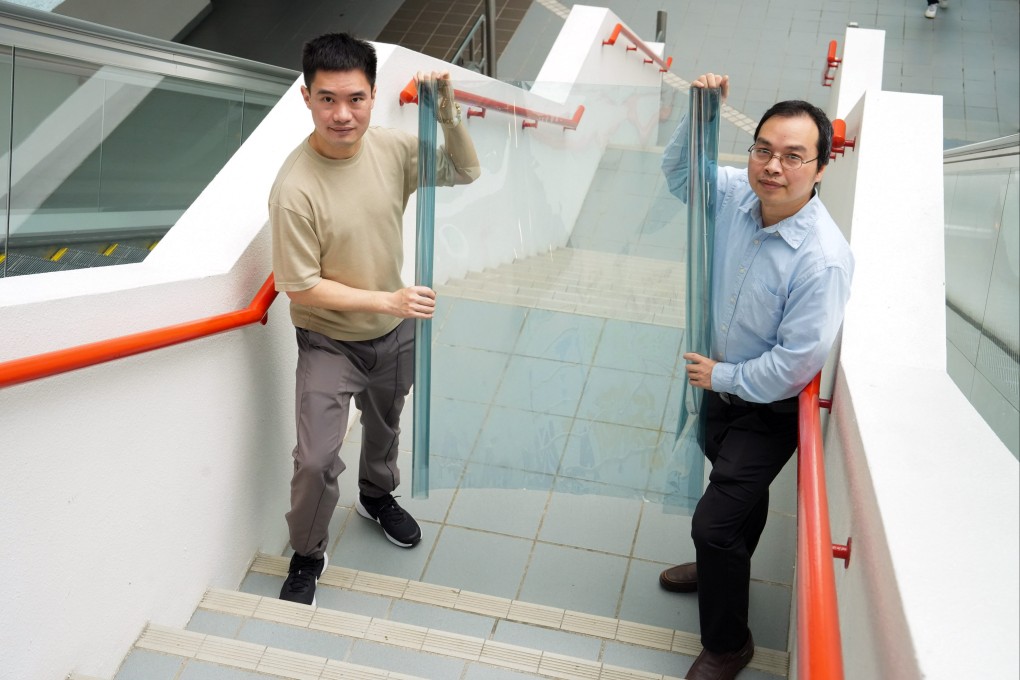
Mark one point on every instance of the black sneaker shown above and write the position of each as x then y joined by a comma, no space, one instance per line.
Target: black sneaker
303,574
398,526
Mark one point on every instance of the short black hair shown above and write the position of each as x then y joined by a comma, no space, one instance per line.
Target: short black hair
338,52
795,107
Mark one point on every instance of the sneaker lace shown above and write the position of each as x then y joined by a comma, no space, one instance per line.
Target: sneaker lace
302,574
390,512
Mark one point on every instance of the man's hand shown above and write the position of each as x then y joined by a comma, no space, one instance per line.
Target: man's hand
699,370
447,109
413,302
712,80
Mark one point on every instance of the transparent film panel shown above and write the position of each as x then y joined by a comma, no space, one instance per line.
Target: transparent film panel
423,276
556,346
6,95
702,140
105,155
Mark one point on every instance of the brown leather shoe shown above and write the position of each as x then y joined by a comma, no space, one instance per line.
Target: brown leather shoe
715,666
683,578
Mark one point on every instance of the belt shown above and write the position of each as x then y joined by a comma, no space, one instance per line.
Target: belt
734,400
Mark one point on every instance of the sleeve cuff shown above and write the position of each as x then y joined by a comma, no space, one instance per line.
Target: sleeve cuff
723,377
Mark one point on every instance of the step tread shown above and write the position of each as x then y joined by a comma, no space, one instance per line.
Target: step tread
417,638
258,658
607,628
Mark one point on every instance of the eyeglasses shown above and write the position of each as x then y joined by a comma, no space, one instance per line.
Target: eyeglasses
789,161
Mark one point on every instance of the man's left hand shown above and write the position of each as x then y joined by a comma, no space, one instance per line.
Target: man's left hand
699,370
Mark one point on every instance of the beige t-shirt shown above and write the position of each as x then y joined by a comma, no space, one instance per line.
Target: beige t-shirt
343,220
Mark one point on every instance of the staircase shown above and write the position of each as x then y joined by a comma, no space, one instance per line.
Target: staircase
427,631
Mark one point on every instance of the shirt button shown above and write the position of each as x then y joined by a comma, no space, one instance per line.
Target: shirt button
743,269
733,298
724,326
756,241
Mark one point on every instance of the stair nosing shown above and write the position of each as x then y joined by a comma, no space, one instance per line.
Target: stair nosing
255,657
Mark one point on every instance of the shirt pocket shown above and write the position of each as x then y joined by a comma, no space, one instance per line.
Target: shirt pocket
762,311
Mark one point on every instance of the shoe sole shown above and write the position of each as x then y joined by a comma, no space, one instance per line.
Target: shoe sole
364,513
675,587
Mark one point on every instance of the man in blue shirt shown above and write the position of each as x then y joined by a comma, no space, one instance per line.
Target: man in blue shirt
781,272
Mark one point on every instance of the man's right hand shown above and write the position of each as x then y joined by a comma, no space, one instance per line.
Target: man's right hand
413,302
712,80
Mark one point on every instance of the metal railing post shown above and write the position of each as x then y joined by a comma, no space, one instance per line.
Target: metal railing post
490,38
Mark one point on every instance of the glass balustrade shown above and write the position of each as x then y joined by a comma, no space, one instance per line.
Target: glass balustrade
554,359
6,87
983,284
103,160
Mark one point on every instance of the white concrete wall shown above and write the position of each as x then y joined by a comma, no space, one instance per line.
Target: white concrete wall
579,60
925,489
128,489
862,51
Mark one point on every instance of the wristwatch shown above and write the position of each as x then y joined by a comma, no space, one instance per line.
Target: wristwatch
444,108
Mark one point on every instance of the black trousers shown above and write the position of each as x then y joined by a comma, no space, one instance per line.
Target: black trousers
748,445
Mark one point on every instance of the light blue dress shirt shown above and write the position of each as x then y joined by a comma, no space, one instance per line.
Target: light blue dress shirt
778,293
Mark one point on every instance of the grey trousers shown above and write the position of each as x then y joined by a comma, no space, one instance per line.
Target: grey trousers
378,374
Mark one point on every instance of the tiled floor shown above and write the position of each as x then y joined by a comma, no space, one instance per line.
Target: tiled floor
969,54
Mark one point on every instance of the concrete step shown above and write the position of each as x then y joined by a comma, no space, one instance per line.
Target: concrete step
213,652
401,629
682,645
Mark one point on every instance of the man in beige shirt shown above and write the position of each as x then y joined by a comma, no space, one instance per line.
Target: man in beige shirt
336,212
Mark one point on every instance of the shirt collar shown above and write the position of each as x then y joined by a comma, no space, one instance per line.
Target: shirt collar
794,229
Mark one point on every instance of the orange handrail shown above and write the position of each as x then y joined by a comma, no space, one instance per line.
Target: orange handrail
409,95
819,650
72,358
638,44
